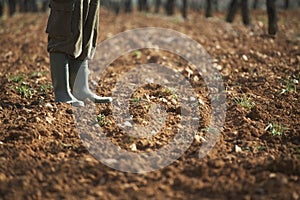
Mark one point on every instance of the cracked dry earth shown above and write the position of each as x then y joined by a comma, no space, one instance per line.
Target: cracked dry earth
257,154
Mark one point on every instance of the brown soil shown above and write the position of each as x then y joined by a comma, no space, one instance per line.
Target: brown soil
42,156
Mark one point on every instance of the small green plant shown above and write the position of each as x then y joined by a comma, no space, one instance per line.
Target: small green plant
138,54
25,91
147,106
137,100
261,148
290,85
275,129
38,74
17,78
102,120
168,91
175,96
245,101
45,88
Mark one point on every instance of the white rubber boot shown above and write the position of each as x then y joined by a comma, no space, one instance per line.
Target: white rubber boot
79,83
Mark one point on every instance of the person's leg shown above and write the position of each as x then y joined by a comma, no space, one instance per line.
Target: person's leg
60,79
64,40
12,7
79,82
1,8
79,65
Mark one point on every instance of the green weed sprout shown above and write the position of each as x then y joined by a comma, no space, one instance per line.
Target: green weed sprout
102,120
17,78
275,129
290,85
25,91
245,101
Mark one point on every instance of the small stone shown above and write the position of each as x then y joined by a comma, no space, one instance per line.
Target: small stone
272,175
189,71
174,102
128,124
133,147
201,102
99,193
245,58
49,120
219,67
271,157
237,149
192,99
196,78
163,100
284,180
61,155
48,105
199,138
235,132
90,159
37,119
295,195
2,177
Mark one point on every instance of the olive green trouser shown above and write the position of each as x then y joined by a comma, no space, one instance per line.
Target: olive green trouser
73,27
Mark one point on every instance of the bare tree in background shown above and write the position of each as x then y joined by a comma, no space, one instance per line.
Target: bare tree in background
245,12
128,6
1,8
233,8
286,4
169,7
272,17
255,4
157,5
208,10
140,5
210,6
216,4
143,5
12,7
184,8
